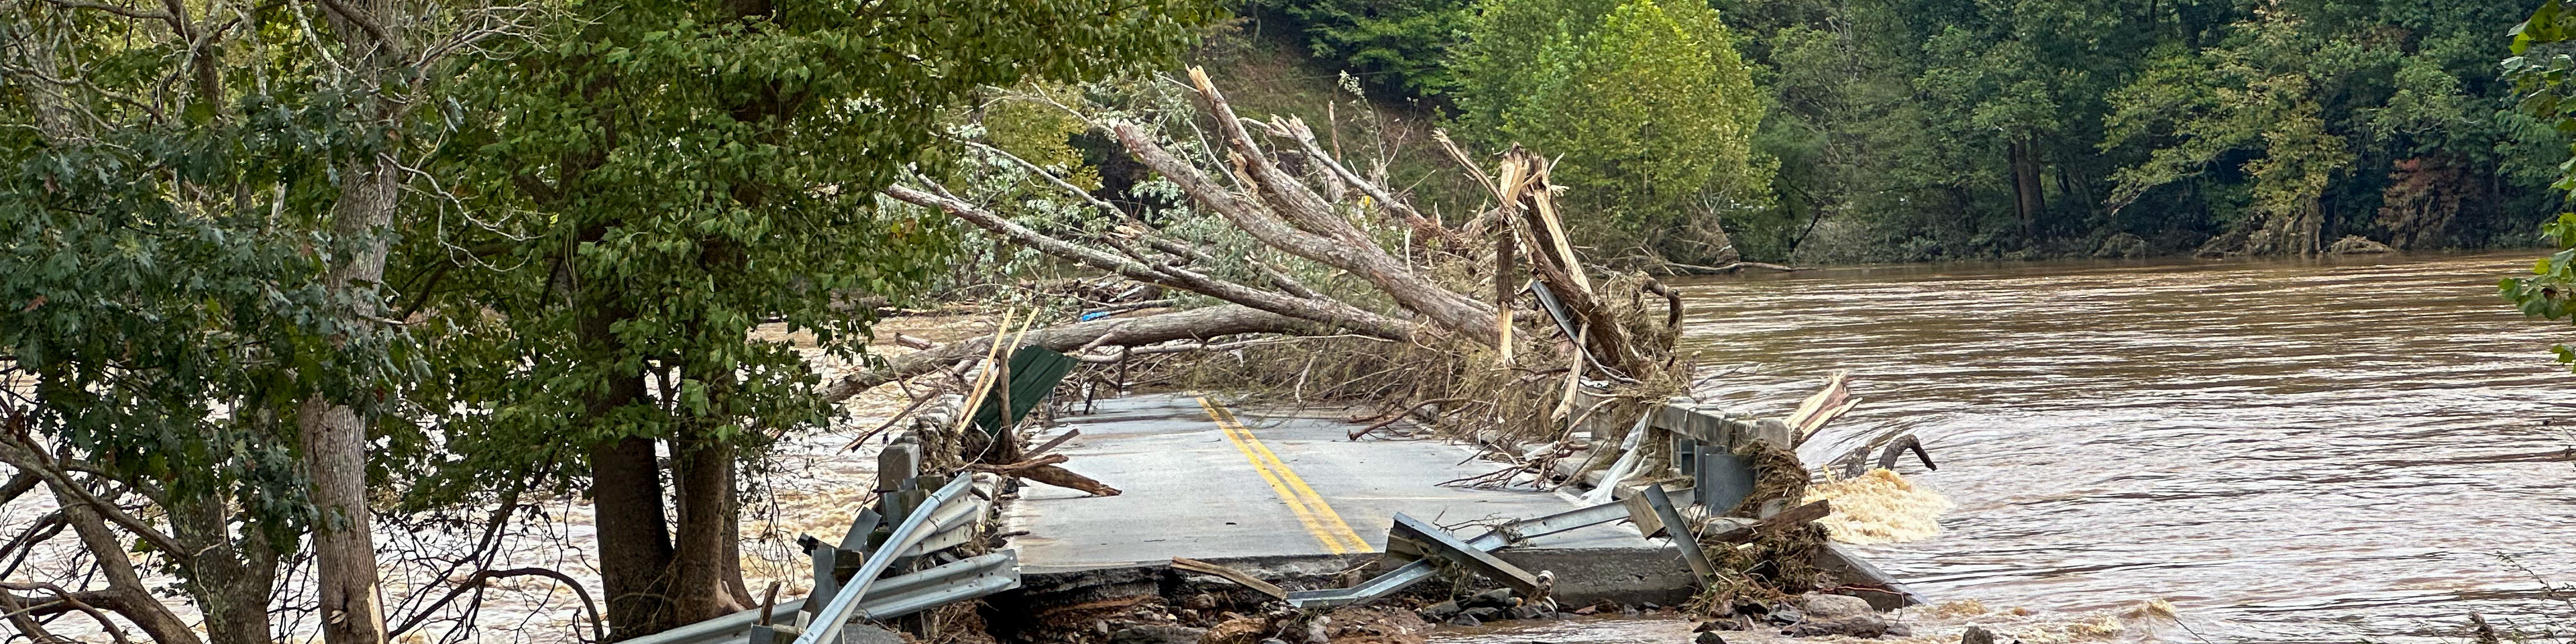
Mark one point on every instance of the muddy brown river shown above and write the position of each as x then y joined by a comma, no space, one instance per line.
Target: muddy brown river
2331,451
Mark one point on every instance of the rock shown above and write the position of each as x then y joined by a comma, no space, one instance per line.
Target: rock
2122,245
1819,606
1201,601
1496,598
1239,630
868,634
1526,612
1465,620
1708,638
1785,614
1377,625
1439,612
1157,634
2356,245
1976,635
1483,613
1899,630
1318,630
1845,615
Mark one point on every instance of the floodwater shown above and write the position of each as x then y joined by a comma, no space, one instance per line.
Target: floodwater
2296,451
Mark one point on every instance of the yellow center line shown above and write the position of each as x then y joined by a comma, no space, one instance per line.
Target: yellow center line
1295,506
1328,525
1323,512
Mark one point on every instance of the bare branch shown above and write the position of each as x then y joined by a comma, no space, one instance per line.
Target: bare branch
122,11
1327,311
1452,312
64,599
1193,324
25,459
1295,129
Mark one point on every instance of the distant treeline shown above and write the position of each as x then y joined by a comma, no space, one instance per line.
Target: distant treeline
1963,129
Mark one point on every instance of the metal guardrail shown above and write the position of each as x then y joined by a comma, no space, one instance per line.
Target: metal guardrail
931,522
891,597
916,528
1414,572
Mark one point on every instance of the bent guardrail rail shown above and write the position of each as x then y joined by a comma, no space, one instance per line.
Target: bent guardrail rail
915,529
1414,572
891,597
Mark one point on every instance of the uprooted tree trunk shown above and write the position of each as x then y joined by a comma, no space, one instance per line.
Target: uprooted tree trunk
1494,329
1440,308
1286,211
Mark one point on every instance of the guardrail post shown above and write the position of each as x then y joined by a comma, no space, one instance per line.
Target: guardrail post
1681,534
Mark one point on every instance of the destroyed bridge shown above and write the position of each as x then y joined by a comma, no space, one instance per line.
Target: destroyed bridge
1265,501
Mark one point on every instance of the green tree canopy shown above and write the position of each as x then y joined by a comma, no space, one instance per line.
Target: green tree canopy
642,185
1652,112
2543,67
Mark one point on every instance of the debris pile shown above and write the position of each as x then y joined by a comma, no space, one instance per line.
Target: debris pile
1292,273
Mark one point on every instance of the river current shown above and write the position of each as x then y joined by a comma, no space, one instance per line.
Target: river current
2293,451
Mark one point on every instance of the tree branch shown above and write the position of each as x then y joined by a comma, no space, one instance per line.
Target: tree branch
1452,312
1193,324
122,11
64,601
25,459
1328,311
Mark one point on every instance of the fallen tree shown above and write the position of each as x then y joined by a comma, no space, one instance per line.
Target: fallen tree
1494,326
1317,281
1193,324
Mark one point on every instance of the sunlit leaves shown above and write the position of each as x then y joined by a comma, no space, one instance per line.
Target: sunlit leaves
2539,70
1652,112
690,173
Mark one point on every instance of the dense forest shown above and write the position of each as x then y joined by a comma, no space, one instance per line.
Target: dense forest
1878,130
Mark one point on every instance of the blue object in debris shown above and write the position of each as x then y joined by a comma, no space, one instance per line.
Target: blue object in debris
1087,317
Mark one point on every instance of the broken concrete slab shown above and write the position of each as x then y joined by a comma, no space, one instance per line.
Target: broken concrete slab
1208,482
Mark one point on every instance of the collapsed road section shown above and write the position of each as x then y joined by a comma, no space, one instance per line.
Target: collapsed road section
1232,525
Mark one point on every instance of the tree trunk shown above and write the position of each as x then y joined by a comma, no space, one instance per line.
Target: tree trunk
335,436
231,580
634,541
2027,196
707,551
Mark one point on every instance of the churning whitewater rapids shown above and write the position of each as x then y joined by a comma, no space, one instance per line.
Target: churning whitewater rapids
2291,451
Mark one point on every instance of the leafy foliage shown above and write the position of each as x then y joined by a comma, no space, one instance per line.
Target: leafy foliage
1651,109
2544,59
691,212
1908,129
167,204
1401,47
